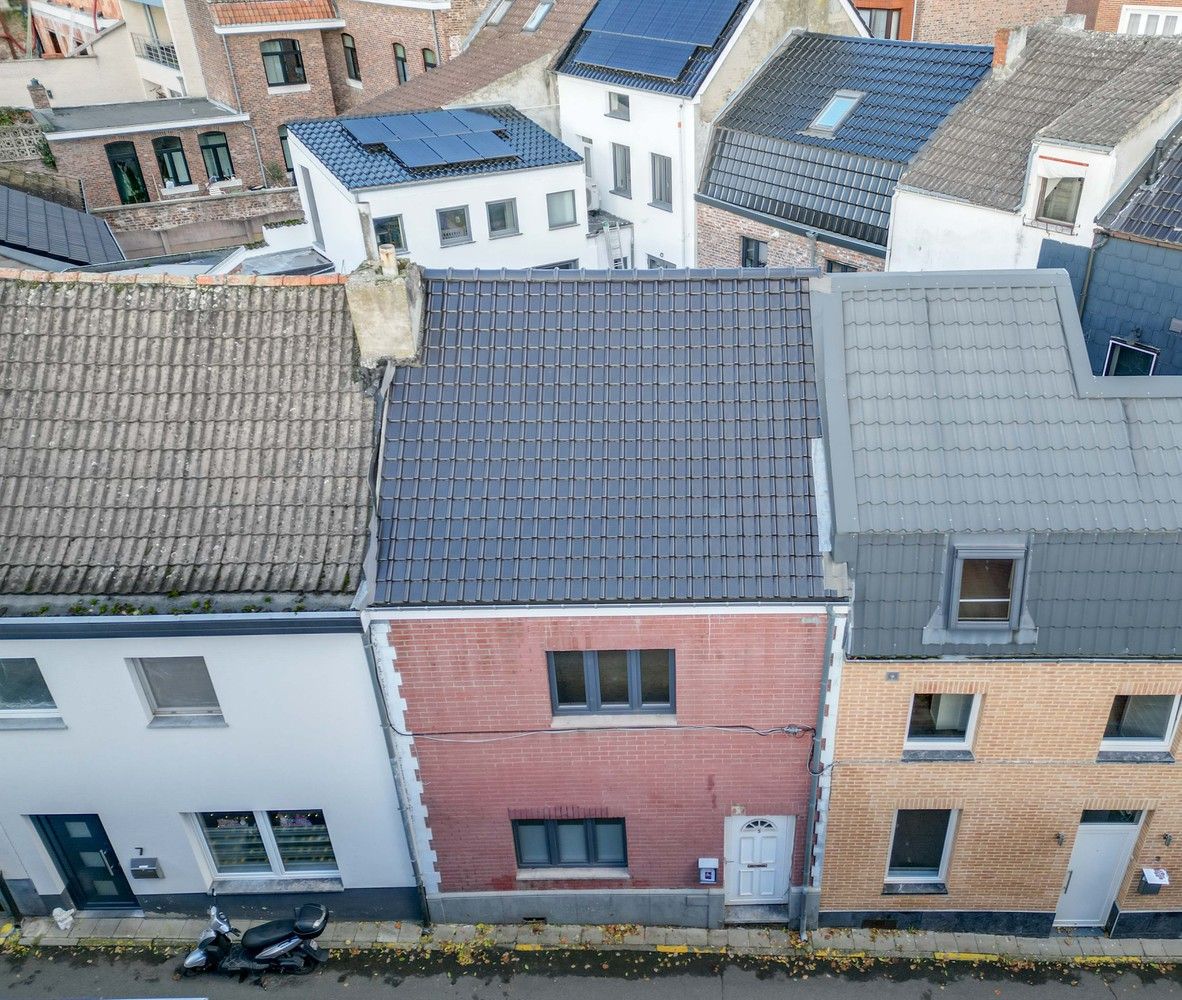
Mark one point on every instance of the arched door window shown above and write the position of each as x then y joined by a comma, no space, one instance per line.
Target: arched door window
429,60
400,62
129,178
170,158
215,151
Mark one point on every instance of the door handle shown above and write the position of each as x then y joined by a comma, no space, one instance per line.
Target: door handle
106,861
1070,872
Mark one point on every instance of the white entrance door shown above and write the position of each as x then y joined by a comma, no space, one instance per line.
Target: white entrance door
1098,863
758,858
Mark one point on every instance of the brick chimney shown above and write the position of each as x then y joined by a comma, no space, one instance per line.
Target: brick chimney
38,95
386,306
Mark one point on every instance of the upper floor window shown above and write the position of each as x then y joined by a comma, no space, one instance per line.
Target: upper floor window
1138,20
125,168
400,62
612,680
1058,199
753,253
836,110
23,691
882,22
1141,722
215,151
176,686
429,60
619,105
352,66
986,586
1129,359
502,217
941,721
534,21
662,182
454,226
390,230
286,149
621,170
282,62
560,209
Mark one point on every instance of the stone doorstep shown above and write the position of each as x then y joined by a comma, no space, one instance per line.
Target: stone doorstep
826,943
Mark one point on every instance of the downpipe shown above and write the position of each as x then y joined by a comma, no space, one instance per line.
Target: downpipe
815,776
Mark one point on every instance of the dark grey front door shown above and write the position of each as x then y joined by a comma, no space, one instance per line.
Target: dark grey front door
87,862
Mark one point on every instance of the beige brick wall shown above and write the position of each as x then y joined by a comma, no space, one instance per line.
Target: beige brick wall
720,244
1037,736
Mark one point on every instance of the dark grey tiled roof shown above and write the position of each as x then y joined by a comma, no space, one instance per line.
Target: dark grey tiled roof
764,160
115,116
45,228
1155,210
1086,87
357,166
600,437
185,438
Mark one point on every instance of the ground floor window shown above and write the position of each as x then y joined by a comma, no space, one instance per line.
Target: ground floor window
274,842
920,845
579,843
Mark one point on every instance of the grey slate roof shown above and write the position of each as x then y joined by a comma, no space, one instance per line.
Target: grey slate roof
962,406
598,437
132,113
176,437
764,160
1084,87
359,167
1155,210
46,228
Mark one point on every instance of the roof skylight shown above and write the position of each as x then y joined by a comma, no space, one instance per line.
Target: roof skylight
836,110
538,16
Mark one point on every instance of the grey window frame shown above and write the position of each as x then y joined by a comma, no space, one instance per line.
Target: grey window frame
1116,345
619,106
658,202
352,64
400,247
626,191
515,231
961,553
163,712
551,828
289,60
263,826
1044,194
595,706
661,263
574,205
745,241
286,149
853,96
467,226
33,711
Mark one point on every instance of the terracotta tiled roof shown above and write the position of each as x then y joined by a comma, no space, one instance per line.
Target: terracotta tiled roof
235,12
496,52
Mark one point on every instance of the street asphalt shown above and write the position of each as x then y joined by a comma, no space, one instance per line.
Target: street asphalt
81,975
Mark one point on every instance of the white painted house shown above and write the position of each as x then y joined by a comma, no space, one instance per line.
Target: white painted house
1033,154
639,88
462,188
187,699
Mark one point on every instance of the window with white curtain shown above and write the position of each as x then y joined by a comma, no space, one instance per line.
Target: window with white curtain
1138,20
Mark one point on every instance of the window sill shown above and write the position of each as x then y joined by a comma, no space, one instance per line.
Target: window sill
596,720
188,722
272,883
32,722
456,243
167,191
621,194
663,206
914,889
565,225
619,118
570,874
1134,757
914,755
289,88
504,236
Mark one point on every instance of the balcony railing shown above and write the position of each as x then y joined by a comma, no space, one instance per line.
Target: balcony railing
155,51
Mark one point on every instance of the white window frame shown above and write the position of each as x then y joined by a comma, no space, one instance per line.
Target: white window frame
52,712
534,21
965,743
1128,10
137,669
1116,345
949,837
262,823
1115,744
619,105
853,96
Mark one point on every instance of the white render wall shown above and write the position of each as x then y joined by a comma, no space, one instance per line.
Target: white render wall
302,732
658,124
342,213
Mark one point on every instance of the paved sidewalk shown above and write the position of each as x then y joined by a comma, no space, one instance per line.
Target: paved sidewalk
836,945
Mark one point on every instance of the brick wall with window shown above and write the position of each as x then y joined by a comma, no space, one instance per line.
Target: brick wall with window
1017,751
87,159
972,23
1104,15
571,783
720,244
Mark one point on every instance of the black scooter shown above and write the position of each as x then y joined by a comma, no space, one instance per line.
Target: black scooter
276,946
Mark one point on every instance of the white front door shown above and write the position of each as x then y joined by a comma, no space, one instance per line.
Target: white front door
1098,863
758,858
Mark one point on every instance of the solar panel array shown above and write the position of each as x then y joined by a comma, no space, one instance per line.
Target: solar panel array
652,37
434,138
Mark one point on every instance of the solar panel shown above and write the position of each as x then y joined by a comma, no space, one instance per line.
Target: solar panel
453,149
489,146
415,153
697,21
367,131
405,127
630,54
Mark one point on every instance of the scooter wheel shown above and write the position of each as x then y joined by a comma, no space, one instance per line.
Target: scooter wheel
185,973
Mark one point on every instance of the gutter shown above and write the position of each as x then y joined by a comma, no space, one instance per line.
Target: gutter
815,776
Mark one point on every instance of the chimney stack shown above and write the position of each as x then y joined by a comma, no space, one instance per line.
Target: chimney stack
38,95
387,310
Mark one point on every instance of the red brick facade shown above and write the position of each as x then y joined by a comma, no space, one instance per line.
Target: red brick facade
86,159
973,22
720,244
673,787
1104,15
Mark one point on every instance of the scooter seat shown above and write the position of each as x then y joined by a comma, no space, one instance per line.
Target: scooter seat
265,935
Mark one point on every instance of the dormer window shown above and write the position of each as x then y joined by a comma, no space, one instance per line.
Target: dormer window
1058,199
836,110
538,16
986,587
